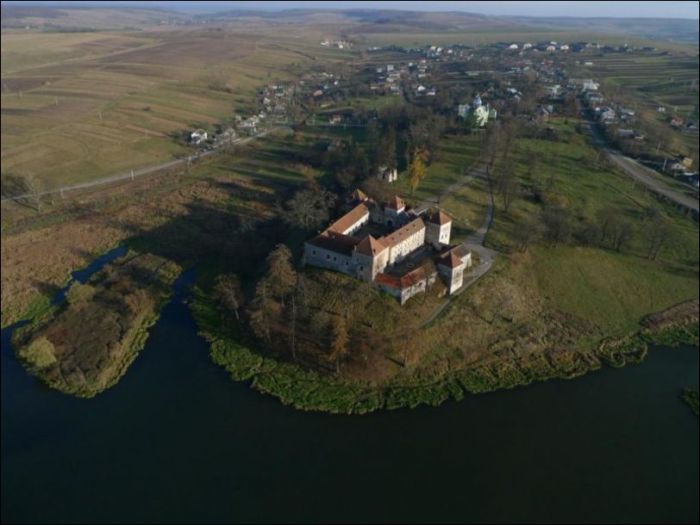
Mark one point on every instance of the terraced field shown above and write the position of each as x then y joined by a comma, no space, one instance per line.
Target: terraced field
666,79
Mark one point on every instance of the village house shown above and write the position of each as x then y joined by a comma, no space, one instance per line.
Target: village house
397,249
198,136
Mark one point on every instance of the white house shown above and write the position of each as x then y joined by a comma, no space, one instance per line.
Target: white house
481,115
198,136
386,174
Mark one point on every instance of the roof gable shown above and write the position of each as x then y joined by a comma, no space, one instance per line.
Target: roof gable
370,246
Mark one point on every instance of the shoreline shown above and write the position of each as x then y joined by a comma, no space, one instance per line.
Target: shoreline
308,390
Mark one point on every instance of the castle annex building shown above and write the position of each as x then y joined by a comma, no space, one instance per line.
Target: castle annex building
401,251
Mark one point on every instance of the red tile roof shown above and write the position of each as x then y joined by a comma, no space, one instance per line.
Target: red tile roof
335,242
370,246
402,233
438,217
359,195
396,203
407,280
350,218
451,260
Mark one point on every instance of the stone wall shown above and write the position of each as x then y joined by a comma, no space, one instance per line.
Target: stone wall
400,250
322,258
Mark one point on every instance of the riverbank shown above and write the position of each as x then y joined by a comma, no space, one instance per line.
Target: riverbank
313,390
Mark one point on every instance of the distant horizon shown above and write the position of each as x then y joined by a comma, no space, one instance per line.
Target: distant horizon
687,10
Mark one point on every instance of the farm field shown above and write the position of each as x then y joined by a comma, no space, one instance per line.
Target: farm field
667,79
76,107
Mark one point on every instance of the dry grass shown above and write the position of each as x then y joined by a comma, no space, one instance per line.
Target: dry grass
92,105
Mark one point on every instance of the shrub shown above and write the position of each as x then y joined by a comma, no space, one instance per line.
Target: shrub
79,293
39,353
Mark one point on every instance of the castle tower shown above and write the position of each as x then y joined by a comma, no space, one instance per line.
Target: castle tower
370,257
439,228
451,267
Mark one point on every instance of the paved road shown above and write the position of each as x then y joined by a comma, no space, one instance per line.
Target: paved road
642,174
139,172
474,243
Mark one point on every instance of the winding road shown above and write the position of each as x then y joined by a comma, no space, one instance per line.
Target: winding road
642,174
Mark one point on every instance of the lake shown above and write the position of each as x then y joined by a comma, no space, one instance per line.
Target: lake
177,440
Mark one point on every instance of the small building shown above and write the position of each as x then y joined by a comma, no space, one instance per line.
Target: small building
541,114
386,174
590,85
198,136
677,122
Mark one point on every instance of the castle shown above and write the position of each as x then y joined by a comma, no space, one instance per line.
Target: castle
397,249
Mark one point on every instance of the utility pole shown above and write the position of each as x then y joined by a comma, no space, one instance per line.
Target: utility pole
132,174
664,168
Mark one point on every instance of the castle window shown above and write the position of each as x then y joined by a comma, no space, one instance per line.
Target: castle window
328,257
313,251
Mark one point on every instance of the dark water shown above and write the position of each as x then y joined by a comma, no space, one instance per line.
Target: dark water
176,440
84,274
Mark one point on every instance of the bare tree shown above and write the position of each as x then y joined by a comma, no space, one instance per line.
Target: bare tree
227,289
557,224
507,184
308,208
529,231
339,343
657,231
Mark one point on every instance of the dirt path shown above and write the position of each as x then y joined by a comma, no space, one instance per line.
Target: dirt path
138,172
474,243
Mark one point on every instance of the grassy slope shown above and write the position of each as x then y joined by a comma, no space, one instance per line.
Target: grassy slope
613,290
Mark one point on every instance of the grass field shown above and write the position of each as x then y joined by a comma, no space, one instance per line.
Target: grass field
610,290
